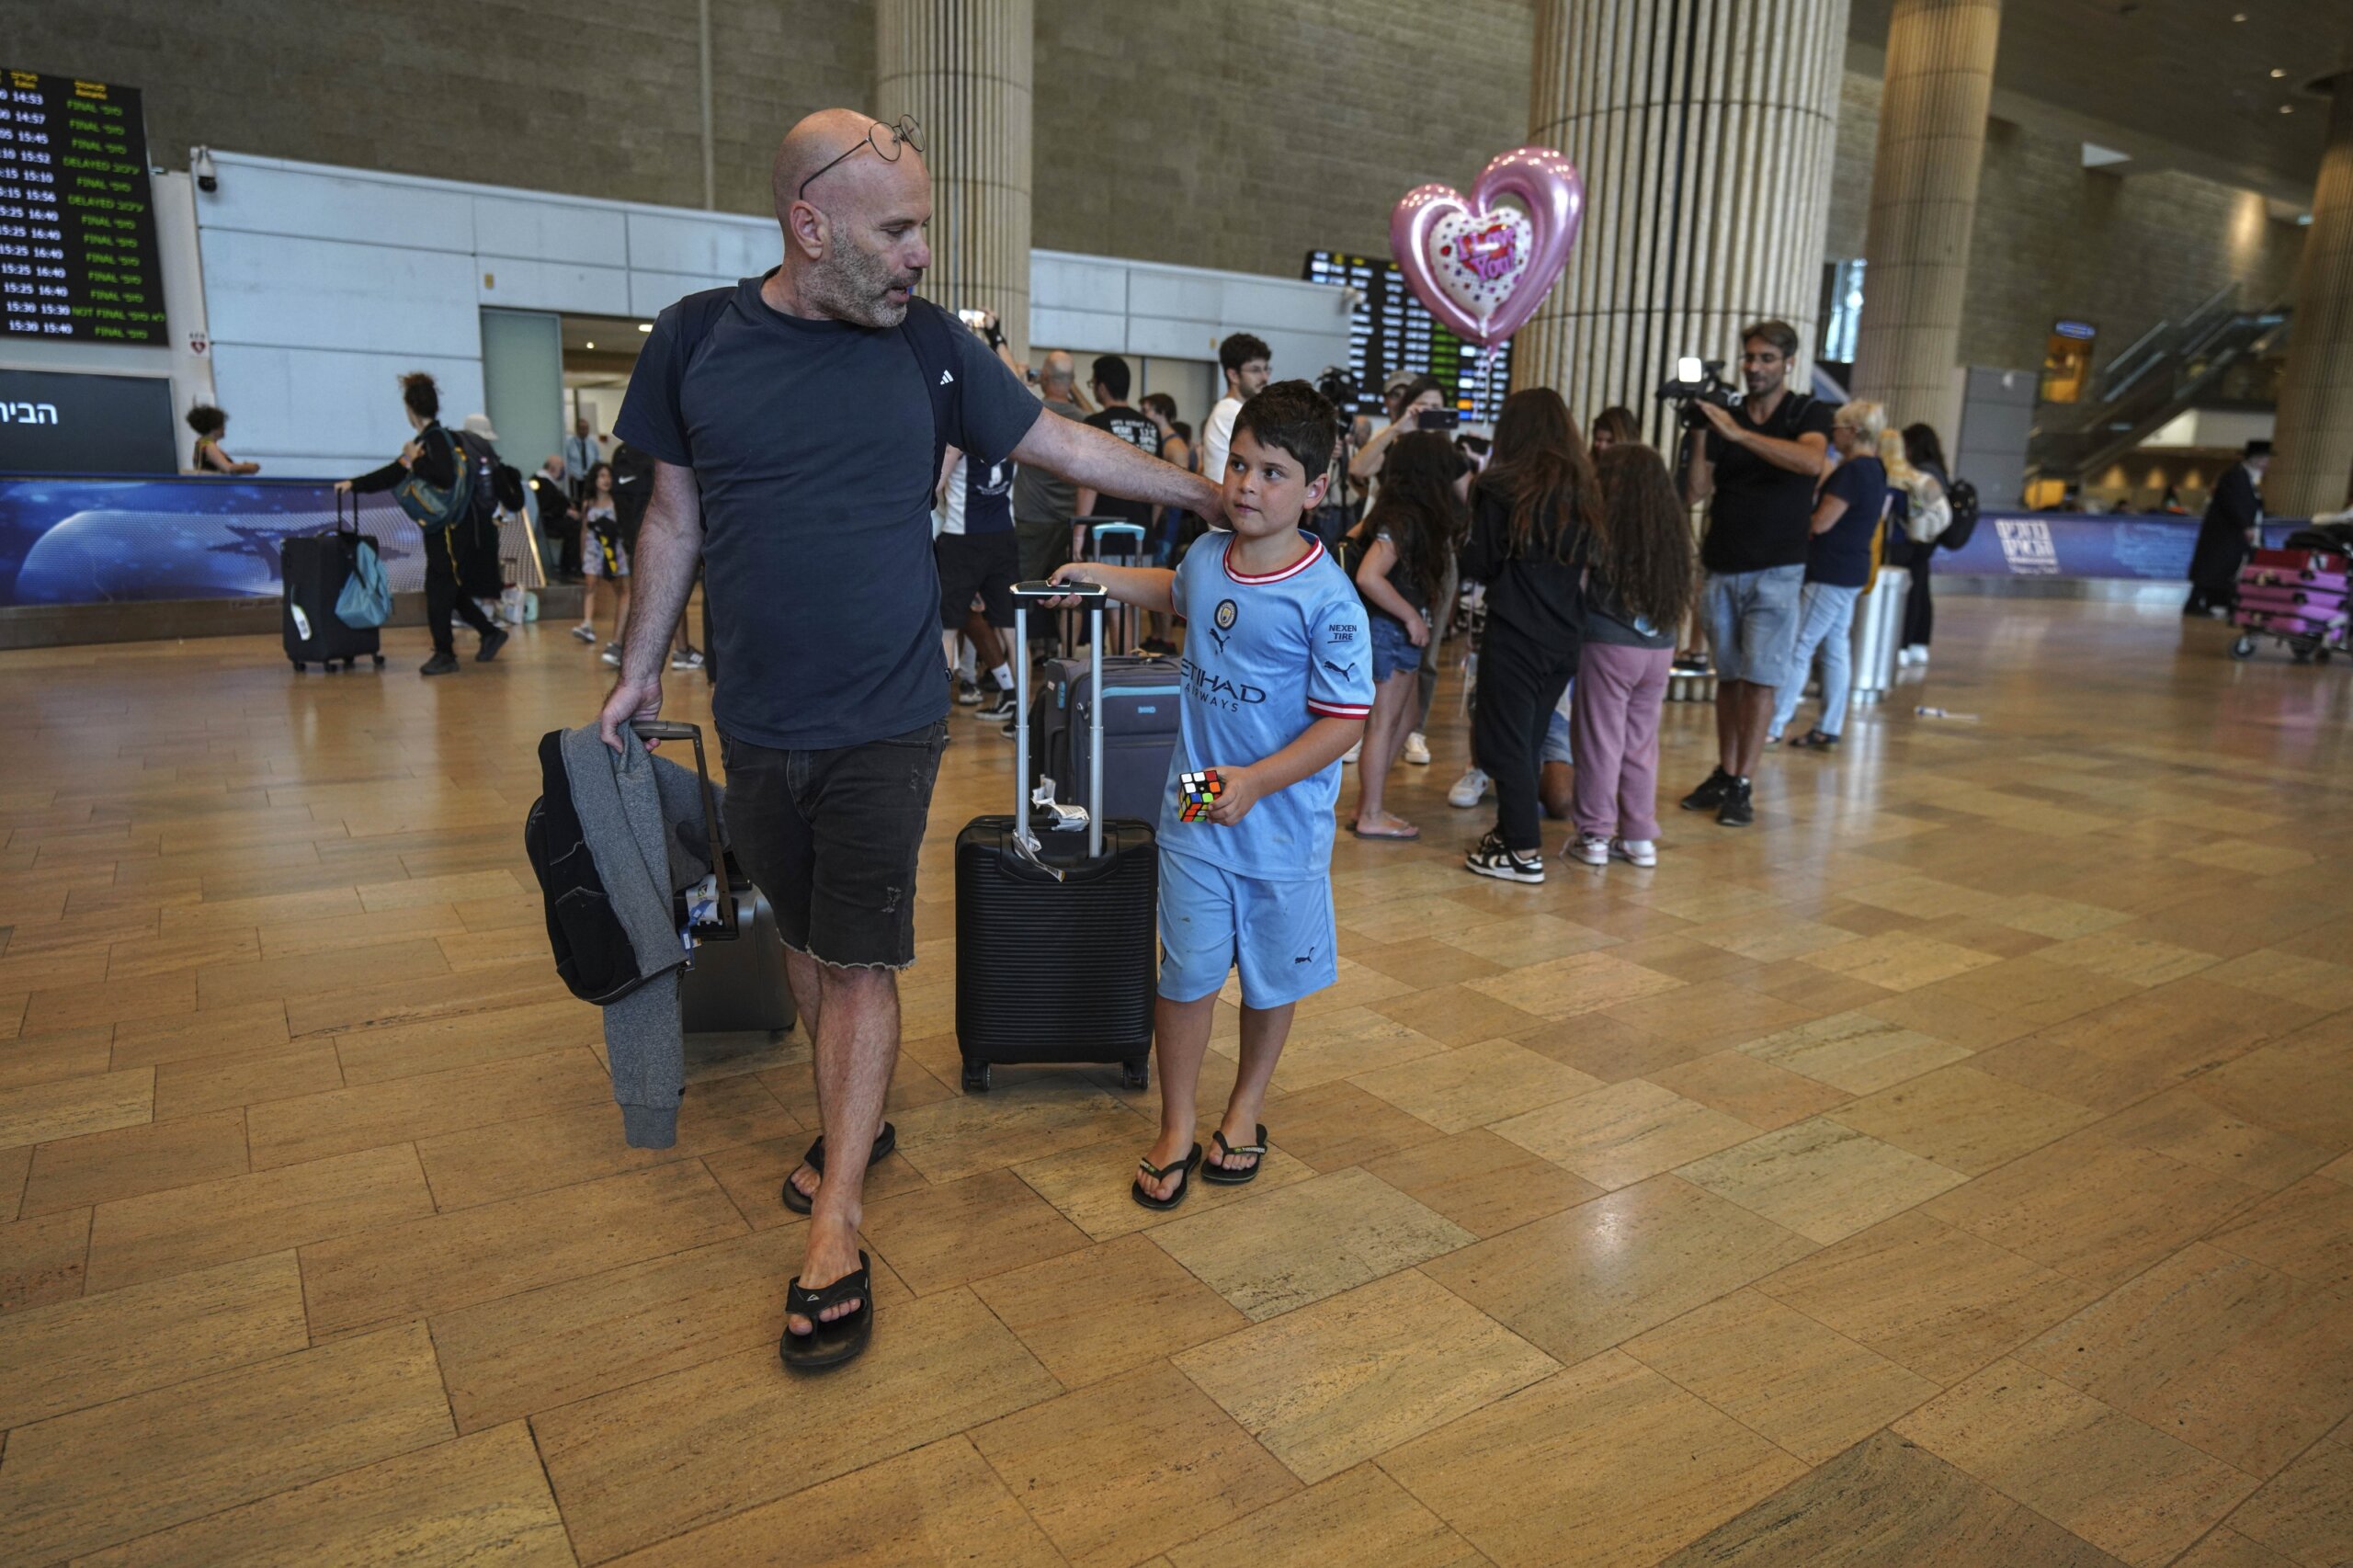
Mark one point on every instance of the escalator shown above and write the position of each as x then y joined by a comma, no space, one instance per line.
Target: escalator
2218,355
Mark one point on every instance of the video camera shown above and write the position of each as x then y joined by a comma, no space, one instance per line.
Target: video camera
1339,388
1695,381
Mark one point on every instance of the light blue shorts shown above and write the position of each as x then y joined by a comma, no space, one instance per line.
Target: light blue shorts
1282,936
1753,624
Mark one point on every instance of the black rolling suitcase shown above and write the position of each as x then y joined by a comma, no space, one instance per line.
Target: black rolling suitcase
312,572
1055,950
734,981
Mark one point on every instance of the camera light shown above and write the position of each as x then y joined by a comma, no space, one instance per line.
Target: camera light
1690,367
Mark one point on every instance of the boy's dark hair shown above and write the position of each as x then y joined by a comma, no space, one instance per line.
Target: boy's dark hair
1779,334
1292,417
1241,349
207,420
1111,375
1160,403
424,398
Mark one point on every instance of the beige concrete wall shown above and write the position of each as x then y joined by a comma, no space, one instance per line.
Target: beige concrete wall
1204,132
2055,239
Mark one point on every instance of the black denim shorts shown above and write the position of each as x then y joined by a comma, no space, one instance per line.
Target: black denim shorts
832,837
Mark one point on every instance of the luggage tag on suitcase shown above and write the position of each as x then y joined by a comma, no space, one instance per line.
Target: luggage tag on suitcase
706,909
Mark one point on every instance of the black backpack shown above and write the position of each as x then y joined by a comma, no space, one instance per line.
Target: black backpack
592,949
1963,496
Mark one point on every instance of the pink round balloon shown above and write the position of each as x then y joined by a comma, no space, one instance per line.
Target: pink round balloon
1480,267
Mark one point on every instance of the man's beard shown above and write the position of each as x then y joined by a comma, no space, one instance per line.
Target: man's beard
855,286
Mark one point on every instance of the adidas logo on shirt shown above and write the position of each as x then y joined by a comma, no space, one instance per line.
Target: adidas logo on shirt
946,377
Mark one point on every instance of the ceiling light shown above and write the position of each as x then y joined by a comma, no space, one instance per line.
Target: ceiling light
592,343
645,326
2238,16
2277,72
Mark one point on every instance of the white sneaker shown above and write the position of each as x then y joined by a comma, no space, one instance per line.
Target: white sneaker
612,655
1350,754
585,632
1920,655
1590,848
1635,851
1468,790
1417,750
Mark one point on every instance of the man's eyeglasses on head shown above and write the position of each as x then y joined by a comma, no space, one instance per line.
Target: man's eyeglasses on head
886,140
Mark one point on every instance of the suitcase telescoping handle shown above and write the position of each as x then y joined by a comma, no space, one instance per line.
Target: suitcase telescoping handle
671,730
1093,595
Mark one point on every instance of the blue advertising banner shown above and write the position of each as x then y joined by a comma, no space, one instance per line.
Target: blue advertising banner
2067,544
94,540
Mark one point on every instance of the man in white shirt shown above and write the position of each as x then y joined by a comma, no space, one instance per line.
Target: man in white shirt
1244,357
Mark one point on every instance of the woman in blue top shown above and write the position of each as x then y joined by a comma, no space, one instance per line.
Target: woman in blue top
1848,508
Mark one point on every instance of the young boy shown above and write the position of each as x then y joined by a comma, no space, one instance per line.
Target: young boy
1277,680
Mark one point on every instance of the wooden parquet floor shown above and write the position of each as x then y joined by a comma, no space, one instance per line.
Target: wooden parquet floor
1951,1170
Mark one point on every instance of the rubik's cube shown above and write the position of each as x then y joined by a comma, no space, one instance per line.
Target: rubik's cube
1196,792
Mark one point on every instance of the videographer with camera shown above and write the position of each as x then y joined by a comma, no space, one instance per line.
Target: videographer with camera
1755,463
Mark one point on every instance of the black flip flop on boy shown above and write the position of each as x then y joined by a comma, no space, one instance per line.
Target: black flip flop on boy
1218,1172
1136,1191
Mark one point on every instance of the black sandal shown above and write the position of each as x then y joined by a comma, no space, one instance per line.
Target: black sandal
1136,1191
884,1141
829,1344
1219,1174
1814,740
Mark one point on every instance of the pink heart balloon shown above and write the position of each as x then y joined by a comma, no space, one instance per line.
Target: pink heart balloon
1479,267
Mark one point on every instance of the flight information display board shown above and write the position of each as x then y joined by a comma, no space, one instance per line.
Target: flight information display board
77,223
1390,330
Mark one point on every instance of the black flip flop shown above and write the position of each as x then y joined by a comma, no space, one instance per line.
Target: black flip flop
1136,1191
829,1344
884,1141
1216,1174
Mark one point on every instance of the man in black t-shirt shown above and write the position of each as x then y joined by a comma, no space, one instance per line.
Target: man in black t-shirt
1131,424
1756,465
794,437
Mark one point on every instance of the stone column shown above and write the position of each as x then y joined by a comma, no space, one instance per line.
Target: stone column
1924,202
2312,454
1704,130
962,69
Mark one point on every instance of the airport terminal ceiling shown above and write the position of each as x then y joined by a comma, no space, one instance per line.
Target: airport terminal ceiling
2192,84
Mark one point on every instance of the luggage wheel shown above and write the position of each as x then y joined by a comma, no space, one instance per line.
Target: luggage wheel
298,666
2301,655
1136,1073
976,1077
2242,649
378,658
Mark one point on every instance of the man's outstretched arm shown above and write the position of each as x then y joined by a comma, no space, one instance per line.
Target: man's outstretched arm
669,546
1098,461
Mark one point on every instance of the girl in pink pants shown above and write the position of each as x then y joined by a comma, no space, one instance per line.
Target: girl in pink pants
1638,587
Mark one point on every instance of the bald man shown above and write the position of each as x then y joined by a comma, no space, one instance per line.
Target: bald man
1043,503
792,424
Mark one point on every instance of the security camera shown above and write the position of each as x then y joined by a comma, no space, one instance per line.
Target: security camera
208,179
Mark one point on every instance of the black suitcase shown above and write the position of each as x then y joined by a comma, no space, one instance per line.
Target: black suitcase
1055,950
734,981
312,572
1139,728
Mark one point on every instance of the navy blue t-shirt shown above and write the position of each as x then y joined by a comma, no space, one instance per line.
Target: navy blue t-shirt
1842,557
812,444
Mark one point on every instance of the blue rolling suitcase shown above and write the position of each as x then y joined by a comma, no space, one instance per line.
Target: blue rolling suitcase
1056,944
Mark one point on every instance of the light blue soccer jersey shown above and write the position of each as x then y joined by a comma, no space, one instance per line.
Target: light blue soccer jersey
1265,657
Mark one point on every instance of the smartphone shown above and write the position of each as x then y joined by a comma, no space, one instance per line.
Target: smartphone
977,320
1436,419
